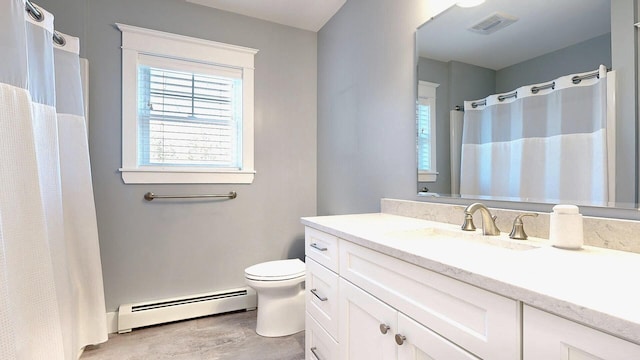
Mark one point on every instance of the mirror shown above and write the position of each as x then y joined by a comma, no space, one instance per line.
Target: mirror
549,39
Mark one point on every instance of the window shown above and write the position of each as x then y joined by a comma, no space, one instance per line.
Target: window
188,118
426,123
187,112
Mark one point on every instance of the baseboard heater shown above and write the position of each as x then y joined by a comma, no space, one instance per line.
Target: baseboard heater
131,316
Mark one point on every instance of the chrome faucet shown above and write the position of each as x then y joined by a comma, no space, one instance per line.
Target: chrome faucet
488,222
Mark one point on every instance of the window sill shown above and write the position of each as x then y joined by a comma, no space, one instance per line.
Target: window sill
185,176
424,176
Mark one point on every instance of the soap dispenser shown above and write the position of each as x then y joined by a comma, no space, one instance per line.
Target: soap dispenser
565,229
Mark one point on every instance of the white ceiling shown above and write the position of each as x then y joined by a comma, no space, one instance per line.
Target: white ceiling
543,26
303,14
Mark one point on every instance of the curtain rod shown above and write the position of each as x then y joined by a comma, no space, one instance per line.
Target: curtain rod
38,16
576,80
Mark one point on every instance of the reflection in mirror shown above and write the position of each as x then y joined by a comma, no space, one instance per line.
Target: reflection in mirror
566,141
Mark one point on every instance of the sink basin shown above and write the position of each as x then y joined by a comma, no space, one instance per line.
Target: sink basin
454,236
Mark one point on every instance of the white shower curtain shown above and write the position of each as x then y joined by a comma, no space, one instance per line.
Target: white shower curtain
51,293
548,145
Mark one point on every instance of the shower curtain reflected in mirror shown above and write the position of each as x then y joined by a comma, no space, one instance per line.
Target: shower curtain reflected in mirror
51,291
541,142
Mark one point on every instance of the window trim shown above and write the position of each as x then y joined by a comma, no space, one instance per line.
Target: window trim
138,41
427,91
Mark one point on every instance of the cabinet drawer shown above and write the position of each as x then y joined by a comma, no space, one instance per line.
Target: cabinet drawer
547,336
322,296
321,247
318,343
481,322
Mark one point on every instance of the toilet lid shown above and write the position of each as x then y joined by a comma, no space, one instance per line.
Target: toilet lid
276,270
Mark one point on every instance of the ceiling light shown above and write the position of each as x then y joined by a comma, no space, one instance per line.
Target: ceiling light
469,3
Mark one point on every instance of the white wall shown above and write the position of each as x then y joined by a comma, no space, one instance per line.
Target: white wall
153,250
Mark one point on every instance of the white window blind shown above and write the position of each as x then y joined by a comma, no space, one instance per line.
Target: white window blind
426,124
424,135
189,118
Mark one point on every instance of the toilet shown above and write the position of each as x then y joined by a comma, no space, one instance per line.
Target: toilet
280,288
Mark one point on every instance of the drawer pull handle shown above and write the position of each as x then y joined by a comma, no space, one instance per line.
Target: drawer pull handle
315,354
400,339
384,328
321,298
318,247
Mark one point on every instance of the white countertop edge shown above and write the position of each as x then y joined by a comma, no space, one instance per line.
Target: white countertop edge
600,319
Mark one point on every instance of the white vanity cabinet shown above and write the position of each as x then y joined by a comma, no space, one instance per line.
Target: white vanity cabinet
383,292
354,294
550,337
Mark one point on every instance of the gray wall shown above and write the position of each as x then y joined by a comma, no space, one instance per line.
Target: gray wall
470,82
581,57
366,105
153,250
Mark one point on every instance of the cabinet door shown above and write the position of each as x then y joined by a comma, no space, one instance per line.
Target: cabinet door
550,337
363,319
416,342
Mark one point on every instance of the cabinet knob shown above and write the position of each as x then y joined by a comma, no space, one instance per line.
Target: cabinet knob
400,339
384,328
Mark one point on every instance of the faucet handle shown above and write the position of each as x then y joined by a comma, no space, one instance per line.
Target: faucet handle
517,232
468,224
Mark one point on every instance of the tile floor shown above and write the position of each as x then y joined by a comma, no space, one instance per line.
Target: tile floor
219,337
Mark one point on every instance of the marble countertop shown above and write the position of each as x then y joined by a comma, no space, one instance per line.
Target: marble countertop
592,286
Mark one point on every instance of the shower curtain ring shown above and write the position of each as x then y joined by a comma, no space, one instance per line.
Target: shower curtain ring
59,39
33,11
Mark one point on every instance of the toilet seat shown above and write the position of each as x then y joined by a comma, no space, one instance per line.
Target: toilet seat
276,270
